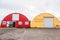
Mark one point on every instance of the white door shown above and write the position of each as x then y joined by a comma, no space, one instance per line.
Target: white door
8,23
15,17
48,23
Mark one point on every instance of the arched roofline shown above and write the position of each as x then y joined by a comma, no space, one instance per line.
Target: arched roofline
14,13
45,14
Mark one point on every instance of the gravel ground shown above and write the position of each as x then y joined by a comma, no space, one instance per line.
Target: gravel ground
29,34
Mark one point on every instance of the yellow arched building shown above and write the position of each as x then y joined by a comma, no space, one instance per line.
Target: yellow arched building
45,20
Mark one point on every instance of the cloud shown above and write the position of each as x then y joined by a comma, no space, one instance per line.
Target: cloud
30,7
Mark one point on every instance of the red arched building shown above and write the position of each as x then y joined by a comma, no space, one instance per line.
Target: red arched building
15,20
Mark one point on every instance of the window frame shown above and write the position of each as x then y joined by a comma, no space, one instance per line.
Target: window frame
26,22
20,23
4,22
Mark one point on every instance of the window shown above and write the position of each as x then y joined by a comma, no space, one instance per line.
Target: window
20,23
4,22
26,23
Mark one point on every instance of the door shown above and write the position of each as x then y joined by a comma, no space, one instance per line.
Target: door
13,24
8,24
15,17
48,23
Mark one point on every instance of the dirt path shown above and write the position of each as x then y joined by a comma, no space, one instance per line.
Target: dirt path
30,34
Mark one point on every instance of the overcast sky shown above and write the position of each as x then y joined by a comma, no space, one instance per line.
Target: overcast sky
29,8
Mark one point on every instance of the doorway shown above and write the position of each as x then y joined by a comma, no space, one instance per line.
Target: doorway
11,24
48,23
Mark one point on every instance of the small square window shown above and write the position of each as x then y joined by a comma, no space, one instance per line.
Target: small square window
26,23
4,22
20,23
